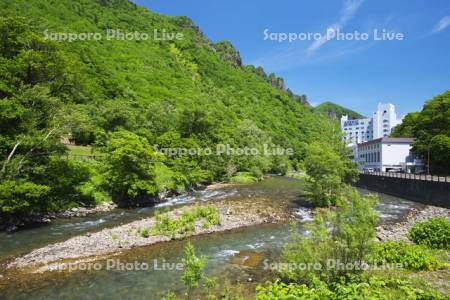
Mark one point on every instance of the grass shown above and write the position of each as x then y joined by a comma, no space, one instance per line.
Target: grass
185,225
75,150
243,177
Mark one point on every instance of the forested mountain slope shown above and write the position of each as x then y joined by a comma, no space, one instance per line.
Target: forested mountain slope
336,111
113,92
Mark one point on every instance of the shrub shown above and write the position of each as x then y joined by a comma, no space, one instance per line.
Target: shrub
256,172
280,290
412,257
434,233
186,223
210,214
373,288
244,178
144,232
345,235
22,197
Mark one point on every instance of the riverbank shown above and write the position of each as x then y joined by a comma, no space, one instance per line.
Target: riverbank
83,211
398,231
112,241
46,218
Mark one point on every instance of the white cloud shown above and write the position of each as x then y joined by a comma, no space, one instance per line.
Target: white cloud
443,23
347,12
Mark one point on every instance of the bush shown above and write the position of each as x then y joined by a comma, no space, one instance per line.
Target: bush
345,235
280,290
144,232
185,225
22,197
256,172
243,177
434,233
373,288
412,257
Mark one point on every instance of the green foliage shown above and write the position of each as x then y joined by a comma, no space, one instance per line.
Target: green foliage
144,232
169,296
35,81
92,191
21,198
243,177
193,269
412,257
336,111
431,128
74,151
327,169
279,290
345,235
60,186
118,92
433,233
373,288
129,168
185,224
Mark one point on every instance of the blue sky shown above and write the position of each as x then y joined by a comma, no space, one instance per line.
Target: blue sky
355,74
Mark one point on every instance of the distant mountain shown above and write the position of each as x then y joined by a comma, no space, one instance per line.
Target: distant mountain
335,111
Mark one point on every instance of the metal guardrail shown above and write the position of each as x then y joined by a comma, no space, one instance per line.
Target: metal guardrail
409,176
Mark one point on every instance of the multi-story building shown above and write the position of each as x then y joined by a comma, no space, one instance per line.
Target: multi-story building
357,131
363,130
388,154
384,120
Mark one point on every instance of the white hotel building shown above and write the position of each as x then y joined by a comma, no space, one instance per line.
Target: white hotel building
363,130
388,154
373,149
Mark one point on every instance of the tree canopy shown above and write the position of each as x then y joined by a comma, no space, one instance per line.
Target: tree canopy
431,128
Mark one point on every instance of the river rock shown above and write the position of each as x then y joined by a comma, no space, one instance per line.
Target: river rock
399,231
11,228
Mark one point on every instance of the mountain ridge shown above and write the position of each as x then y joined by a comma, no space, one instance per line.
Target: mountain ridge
336,111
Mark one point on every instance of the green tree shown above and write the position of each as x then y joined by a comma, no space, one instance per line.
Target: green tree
129,168
431,128
326,170
35,77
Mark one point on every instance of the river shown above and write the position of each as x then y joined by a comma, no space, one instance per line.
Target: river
237,256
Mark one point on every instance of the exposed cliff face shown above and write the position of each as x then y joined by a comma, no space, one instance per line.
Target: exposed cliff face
302,99
228,53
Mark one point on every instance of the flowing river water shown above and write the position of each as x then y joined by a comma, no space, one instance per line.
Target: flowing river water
238,256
